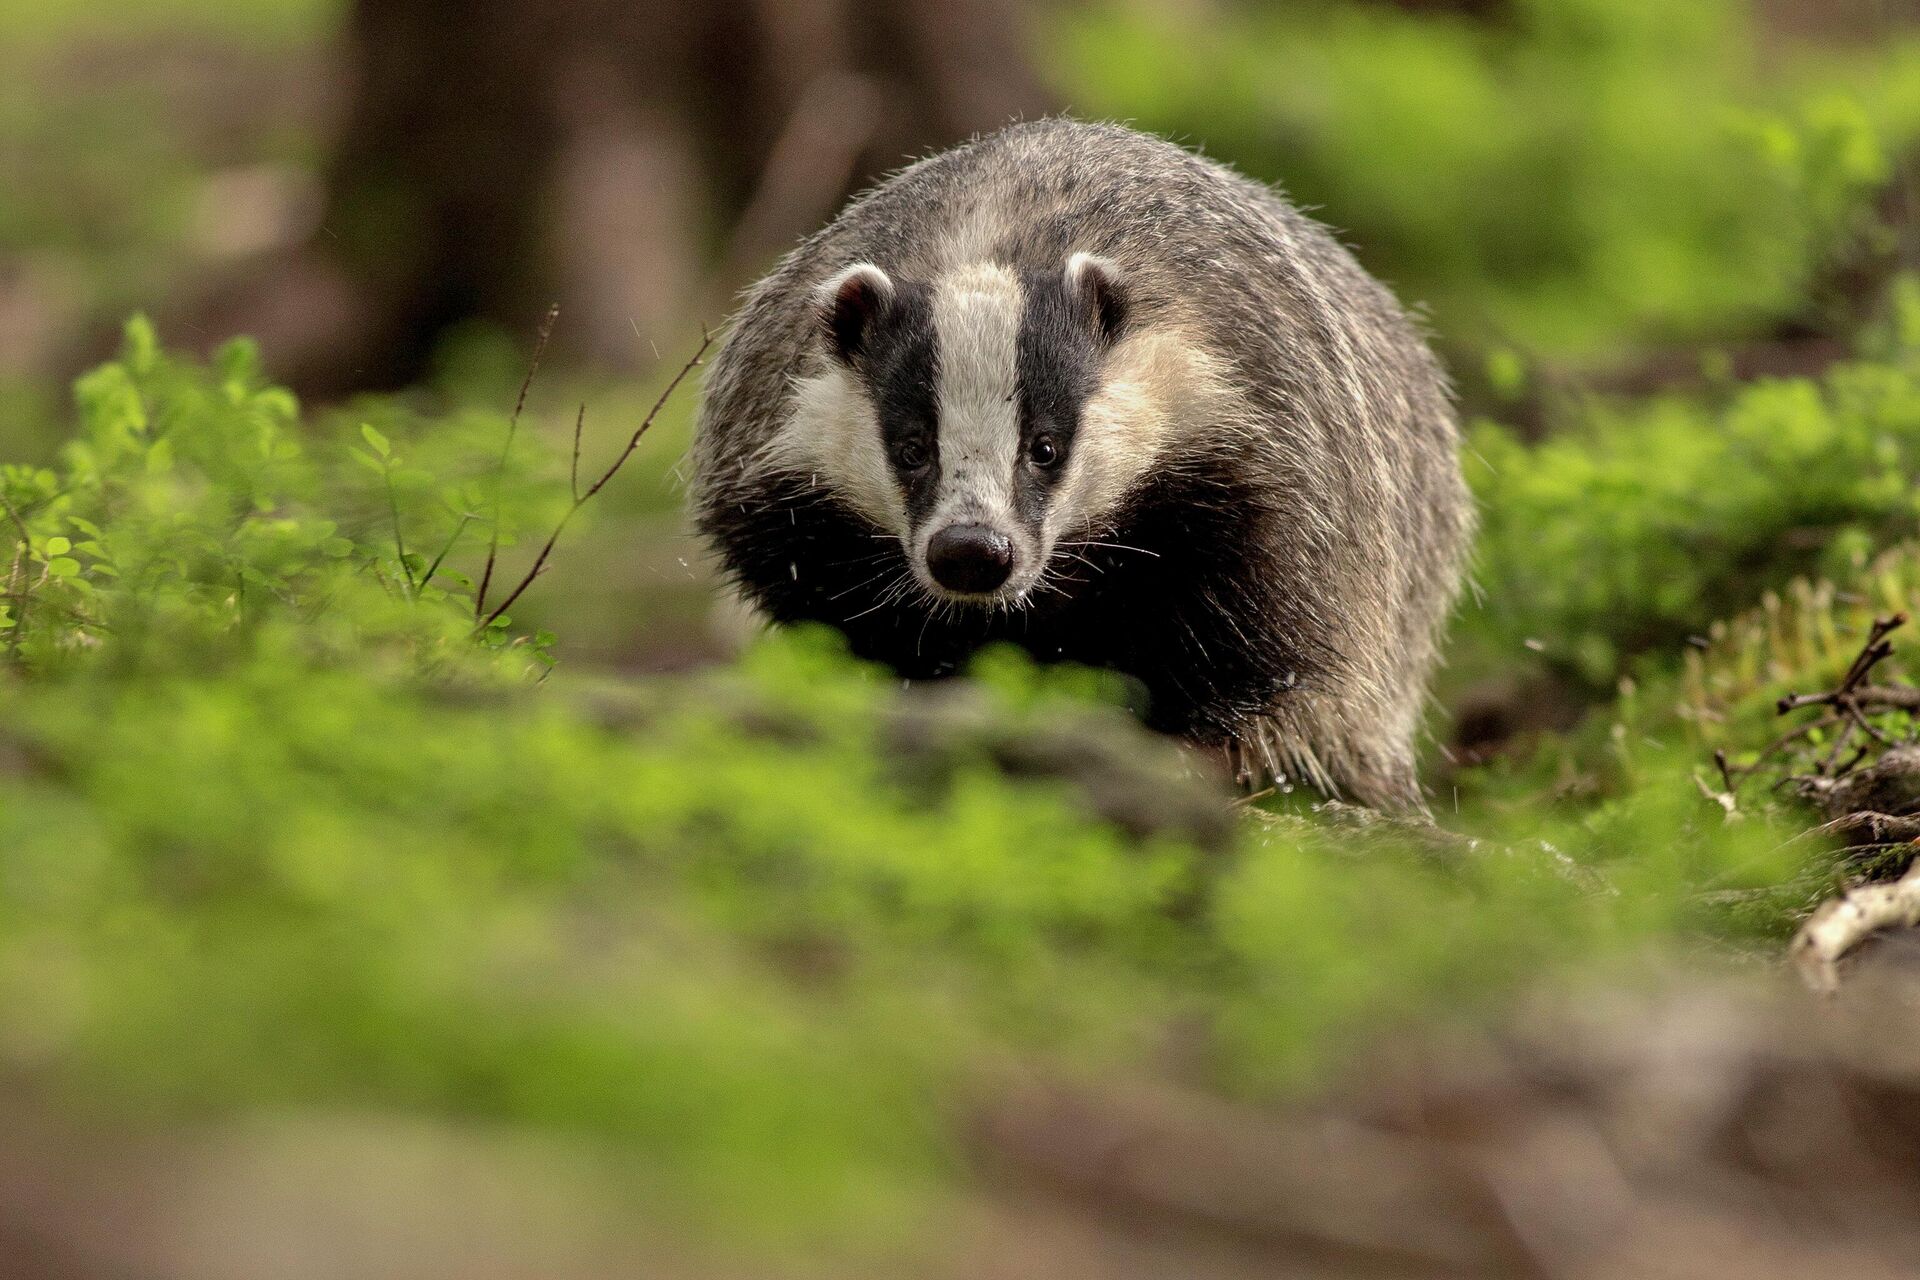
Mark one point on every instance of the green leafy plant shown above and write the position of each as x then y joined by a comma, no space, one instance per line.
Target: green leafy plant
279,831
1621,538
193,500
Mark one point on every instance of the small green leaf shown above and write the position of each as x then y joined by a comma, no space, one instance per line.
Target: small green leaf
142,345
63,566
379,442
58,546
502,622
279,402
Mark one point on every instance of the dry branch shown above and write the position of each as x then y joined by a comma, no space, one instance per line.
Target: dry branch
1843,923
500,471
580,499
1847,709
1871,829
1876,698
1853,689
1867,780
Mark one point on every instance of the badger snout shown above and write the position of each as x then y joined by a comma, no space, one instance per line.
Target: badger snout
970,559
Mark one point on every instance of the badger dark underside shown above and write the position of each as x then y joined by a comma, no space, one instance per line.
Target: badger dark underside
1179,609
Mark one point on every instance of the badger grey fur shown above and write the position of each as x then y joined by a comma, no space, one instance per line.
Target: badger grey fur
1077,388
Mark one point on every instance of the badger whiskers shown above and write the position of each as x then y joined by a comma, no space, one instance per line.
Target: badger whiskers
1110,546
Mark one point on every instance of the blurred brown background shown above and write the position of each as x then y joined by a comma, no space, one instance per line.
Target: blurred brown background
633,161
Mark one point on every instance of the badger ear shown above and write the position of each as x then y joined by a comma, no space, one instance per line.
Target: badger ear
849,304
1097,284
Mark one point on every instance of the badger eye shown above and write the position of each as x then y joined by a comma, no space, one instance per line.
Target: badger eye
1043,452
910,455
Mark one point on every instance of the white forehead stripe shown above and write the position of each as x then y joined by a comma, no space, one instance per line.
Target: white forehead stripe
977,314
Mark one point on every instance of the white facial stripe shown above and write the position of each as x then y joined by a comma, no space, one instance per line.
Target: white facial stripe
976,322
835,433
1152,386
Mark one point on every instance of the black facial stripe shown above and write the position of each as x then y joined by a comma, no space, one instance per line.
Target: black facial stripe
1215,636
1059,363
899,364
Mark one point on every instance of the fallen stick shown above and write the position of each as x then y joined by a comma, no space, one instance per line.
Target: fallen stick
1843,923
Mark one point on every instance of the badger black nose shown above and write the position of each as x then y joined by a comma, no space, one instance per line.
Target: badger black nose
970,558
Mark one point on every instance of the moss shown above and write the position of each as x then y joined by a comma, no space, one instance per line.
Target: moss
1681,510
279,830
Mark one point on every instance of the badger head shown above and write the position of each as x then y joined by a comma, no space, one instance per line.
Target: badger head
965,416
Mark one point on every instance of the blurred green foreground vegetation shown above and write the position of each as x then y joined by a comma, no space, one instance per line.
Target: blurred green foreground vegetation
286,824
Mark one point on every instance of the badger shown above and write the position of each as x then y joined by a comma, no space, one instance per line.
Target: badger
1077,388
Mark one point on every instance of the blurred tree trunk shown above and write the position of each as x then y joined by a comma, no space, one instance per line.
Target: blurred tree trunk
635,160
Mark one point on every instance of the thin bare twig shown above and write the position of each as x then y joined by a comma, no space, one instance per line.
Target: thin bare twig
1885,697
466,518
581,499
573,473
26,539
399,539
1865,725
16,575
1841,738
1736,774
500,469
1853,686
1726,771
1847,704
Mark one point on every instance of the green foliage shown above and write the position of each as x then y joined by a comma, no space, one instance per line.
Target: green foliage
1567,177
191,508
1642,525
279,831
